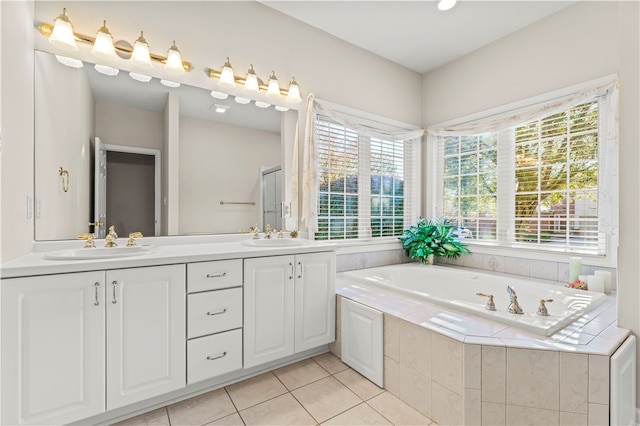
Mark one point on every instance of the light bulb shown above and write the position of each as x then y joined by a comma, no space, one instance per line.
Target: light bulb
62,34
251,82
281,108
173,64
294,92
103,46
226,75
169,83
261,104
140,55
274,87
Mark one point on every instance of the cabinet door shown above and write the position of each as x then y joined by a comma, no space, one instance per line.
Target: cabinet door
53,354
315,302
145,333
268,309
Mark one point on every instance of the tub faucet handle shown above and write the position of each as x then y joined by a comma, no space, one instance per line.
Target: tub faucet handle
514,306
542,309
490,306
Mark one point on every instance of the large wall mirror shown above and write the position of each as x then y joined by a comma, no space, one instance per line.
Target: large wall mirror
171,163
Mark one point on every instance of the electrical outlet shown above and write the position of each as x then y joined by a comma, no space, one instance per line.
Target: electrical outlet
29,207
286,210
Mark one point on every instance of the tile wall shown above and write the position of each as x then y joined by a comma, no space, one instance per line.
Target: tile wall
459,383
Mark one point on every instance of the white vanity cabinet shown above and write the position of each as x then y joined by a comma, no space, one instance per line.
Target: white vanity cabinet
75,345
53,348
214,319
145,333
289,305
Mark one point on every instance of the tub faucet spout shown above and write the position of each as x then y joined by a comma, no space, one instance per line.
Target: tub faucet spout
514,306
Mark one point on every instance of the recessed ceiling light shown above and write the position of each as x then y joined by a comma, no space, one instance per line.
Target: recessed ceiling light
446,4
220,109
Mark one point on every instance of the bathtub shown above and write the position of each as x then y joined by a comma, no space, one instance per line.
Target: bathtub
457,288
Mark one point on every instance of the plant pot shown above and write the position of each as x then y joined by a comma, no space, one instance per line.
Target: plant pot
430,259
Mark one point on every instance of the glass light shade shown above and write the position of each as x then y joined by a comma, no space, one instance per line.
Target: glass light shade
173,64
446,4
242,101
226,75
221,109
219,95
281,108
251,82
103,46
261,104
140,77
106,70
70,62
274,87
294,92
140,55
62,34
169,83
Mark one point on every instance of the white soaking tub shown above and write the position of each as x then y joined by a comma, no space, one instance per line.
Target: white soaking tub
457,288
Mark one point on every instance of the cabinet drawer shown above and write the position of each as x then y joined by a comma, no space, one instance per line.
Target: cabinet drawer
214,311
214,275
214,355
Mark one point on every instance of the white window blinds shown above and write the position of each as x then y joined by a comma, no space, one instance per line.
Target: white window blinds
544,183
366,180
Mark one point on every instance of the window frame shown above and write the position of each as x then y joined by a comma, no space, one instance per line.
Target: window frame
375,122
430,191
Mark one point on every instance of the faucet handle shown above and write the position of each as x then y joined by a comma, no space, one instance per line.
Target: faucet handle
542,309
90,243
490,306
131,241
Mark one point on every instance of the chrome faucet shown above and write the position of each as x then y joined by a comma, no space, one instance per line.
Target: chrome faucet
514,306
542,309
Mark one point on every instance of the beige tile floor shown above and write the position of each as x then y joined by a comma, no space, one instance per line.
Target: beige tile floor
319,390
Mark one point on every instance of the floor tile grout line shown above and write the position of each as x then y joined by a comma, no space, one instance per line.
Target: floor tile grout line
374,409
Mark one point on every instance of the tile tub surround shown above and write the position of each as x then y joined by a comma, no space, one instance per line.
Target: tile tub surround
459,369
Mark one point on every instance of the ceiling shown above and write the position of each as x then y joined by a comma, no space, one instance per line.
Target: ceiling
416,34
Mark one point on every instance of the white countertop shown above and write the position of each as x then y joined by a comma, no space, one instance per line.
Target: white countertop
163,251
594,333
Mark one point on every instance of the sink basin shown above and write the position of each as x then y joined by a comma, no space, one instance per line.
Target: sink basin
96,253
276,242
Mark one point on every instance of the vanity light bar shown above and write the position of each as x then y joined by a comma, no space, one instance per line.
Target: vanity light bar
262,87
46,30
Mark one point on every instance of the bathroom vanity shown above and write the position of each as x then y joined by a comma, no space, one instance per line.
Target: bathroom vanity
100,339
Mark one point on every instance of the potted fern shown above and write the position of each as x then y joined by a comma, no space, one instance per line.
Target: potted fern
431,238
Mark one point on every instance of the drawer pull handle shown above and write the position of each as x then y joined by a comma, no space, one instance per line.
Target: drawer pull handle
224,274
213,358
97,302
114,300
218,312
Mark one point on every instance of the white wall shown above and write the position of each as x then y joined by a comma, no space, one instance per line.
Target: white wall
121,125
219,162
170,166
61,145
16,86
580,43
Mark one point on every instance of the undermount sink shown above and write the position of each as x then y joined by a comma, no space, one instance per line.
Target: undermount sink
96,253
276,242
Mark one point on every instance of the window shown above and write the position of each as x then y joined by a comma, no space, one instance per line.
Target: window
536,184
364,183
